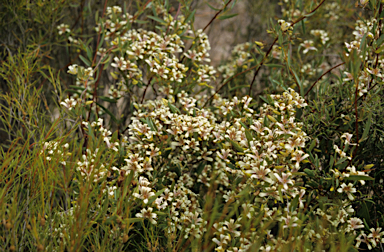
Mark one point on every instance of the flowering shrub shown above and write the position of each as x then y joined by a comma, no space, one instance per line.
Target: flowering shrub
154,149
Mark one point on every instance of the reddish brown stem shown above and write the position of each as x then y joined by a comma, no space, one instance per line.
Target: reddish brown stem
322,77
145,90
209,23
261,64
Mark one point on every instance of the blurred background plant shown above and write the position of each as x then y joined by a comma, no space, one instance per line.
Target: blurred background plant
191,125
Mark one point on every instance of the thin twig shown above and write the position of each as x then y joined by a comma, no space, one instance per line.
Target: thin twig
270,48
209,23
225,83
145,90
329,70
261,64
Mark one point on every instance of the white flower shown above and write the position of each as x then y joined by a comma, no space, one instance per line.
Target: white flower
348,138
72,69
69,103
348,189
355,223
284,179
63,28
375,71
308,45
147,214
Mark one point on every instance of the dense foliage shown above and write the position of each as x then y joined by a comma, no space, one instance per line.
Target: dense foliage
118,133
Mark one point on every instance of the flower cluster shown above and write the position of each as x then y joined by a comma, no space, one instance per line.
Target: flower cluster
323,35
54,149
371,73
253,162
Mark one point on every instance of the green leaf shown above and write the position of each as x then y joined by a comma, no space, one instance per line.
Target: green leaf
264,99
89,53
358,177
103,210
366,129
281,195
108,112
302,25
153,198
298,82
341,160
242,124
227,16
331,162
77,87
213,8
157,19
309,172
190,17
141,22
313,144
364,212
107,99
133,220
248,135
274,65
237,87
87,62
380,40
101,39
380,49
173,108
151,124
236,145
110,220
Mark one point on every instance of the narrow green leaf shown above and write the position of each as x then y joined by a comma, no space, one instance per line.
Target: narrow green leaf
281,195
244,126
380,49
236,145
248,135
153,198
151,124
309,172
101,39
108,112
213,8
299,83
237,87
104,98
364,212
331,162
358,177
366,129
157,19
173,108
110,220
141,22
89,53
362,43
313,144
380,40
227,16
302,25
87,62
274,65
264,99
190,17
